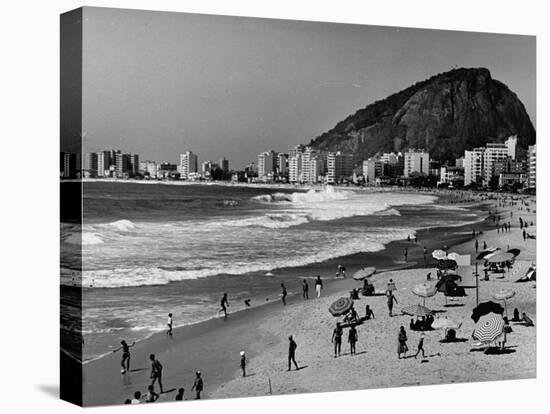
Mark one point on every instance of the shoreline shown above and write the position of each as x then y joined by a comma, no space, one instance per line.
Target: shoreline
241,323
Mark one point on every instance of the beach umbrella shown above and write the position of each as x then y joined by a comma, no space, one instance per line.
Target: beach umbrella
501,258
416,310
341,307
424,290
453,256
439,254
486,253
446,264
504,295
445,323
485,308
489,327
364,273
515,252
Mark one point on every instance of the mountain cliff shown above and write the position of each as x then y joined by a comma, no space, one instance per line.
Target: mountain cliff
445,114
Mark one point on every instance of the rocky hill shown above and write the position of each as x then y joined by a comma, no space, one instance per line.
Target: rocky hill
445,114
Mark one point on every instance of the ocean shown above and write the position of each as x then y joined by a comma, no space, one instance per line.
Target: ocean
148,250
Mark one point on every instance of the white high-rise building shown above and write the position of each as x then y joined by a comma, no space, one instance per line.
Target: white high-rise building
494,152
532,167
312,165
511,143
473,165
416,161
267,165
188,165
295,168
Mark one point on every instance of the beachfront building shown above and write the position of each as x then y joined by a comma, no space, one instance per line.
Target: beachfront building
123,165
373,168
206,168
149,168
313,165
473,165
90,165
532,167
224,164
494,152
103,163
459,162
416,161
134,164
295,164
389,158
282,165
339,167
267,165
168,170
188,165
451,176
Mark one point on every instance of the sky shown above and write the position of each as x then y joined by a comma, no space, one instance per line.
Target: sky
159,84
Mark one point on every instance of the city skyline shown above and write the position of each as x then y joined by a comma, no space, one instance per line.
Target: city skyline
248,85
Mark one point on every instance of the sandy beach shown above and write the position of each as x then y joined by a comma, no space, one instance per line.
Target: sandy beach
213,347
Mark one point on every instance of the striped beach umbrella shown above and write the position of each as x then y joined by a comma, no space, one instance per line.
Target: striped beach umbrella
487,252
364,273
424,290
416,310
501,258
439,254
489,327
341,307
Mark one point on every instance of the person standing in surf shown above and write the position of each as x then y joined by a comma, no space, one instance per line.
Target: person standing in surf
125,363
283,293
224,304
170,323
318,285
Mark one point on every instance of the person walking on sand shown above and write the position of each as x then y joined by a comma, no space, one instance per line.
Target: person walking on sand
156,372
292,345
420,347
224,303
170,324
305,289
283,293
477,245
198,385
484,245
337,339
402,343
318,285
243,363
125,362
391,298
352,339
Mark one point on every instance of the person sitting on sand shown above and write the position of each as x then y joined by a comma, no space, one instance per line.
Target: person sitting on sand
151,396
412,325
352,315
125,363
243,363
337,339
156,372
318,285
137,398
527,321
369,314
198,385
402,343
352,339
516,316
179,395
